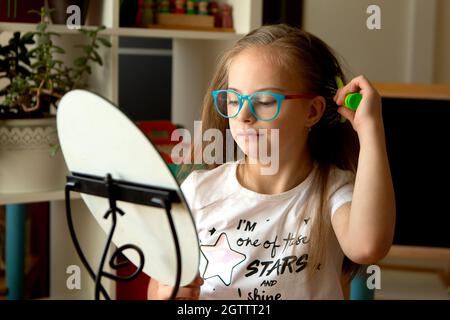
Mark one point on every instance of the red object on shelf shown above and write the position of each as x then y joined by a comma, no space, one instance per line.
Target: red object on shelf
17,10
159,132
140,13
180,6
227,16
132,290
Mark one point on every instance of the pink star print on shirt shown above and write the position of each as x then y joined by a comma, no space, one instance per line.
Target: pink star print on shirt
221,259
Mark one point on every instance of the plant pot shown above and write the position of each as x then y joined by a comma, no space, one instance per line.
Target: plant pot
60,15
26,160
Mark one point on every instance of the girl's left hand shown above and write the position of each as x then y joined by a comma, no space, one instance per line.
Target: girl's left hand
369,110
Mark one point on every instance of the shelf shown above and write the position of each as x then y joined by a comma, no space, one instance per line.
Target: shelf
19,198
414,91
30,27
130,32
175,34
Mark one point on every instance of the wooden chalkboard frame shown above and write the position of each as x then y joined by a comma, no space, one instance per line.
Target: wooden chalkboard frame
424,93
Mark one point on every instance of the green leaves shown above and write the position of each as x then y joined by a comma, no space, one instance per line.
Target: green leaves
54,148
58,50
37,75
105,42
88,49
28,38
97,58
14,60
41,27
80,61
84,31
91,54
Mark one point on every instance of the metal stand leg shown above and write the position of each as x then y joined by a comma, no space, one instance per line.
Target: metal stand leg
115,191
15,251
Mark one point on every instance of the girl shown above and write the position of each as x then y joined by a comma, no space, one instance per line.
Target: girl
285,235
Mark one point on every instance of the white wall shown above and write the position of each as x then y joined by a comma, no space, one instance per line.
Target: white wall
411,46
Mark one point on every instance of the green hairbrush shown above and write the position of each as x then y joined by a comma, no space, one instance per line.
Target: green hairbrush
351,100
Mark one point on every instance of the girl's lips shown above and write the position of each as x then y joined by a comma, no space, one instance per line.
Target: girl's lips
248,134
252,133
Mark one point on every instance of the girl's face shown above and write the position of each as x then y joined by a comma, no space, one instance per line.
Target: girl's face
255,70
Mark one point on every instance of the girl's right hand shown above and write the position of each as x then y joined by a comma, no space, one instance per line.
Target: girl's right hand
369,110
158,291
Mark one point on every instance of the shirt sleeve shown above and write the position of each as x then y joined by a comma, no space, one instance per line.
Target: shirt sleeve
188,188
341,189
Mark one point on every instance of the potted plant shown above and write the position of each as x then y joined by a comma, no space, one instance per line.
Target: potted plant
34,79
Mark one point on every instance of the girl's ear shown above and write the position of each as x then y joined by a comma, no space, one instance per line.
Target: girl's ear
316,110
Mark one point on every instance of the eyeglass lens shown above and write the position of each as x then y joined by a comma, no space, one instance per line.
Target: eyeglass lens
264,105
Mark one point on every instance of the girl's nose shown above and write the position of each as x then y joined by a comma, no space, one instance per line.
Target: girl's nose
245,115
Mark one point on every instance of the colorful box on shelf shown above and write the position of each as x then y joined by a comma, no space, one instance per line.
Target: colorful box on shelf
186,22
159,133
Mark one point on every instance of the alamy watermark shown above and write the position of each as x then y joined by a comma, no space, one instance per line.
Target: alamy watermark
256,143
73,281
74,20
373,22
374,280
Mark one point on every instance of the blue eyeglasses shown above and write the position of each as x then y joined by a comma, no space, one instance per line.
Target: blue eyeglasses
263,106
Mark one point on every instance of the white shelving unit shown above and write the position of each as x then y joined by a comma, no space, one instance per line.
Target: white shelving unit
194,57
194,53
129,32
11,198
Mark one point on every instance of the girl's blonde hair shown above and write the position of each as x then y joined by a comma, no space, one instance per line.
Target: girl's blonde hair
330,142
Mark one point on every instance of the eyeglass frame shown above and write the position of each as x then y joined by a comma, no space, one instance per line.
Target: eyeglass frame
278,96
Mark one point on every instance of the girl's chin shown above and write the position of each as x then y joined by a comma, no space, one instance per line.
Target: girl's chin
253,151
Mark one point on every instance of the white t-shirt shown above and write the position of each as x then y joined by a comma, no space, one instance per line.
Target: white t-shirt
255,246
